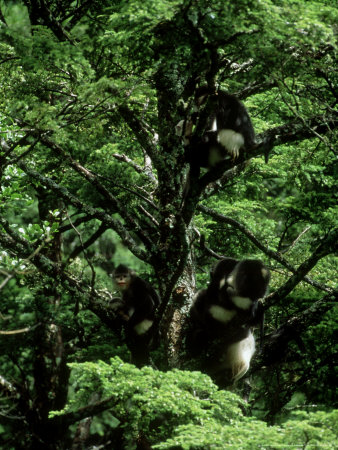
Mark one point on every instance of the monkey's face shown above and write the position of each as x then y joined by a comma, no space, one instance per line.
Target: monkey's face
122,281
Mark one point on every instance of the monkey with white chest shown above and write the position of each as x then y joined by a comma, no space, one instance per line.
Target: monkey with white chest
246,285
209,307
227,310
228,130
235,288
139,303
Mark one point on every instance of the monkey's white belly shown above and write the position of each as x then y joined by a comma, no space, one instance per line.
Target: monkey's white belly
143,326
231,140
238,356
221,314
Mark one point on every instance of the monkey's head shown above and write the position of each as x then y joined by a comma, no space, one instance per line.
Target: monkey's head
250,278
201,95
122,277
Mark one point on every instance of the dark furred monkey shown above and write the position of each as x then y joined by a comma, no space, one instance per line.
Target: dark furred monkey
209,307
243,288
246,285
218,330
140,301
223,314
229,119
221,335
229,129
250,278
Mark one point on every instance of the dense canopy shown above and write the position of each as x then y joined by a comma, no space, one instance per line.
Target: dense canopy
93,175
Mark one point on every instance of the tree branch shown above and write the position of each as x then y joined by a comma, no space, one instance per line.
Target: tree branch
19,331
127,189
140,132
9,148
326,247
81,248
21,248
6,387
89,211
78,221
276,343
229,175
124,158
39,10
94,181
69,418
272,254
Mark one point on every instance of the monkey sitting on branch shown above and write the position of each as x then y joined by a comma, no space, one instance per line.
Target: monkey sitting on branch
139,303
222,317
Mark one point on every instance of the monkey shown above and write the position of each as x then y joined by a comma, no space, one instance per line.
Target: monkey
229,119
241,290
226,311
222,336
139,298
249,279
240,285
205,151
211,312
209,307
246,285
140,301
235,287
228,130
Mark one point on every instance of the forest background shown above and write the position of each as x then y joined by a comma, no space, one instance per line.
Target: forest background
92,175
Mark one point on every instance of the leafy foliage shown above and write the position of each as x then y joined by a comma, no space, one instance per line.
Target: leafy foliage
92,175
185,410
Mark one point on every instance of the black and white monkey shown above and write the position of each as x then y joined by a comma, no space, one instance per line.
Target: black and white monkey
228,129
139,303
227,309
235,288
222,335
242,288
229,119
212,306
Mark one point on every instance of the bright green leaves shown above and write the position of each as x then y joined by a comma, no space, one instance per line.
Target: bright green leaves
179,409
